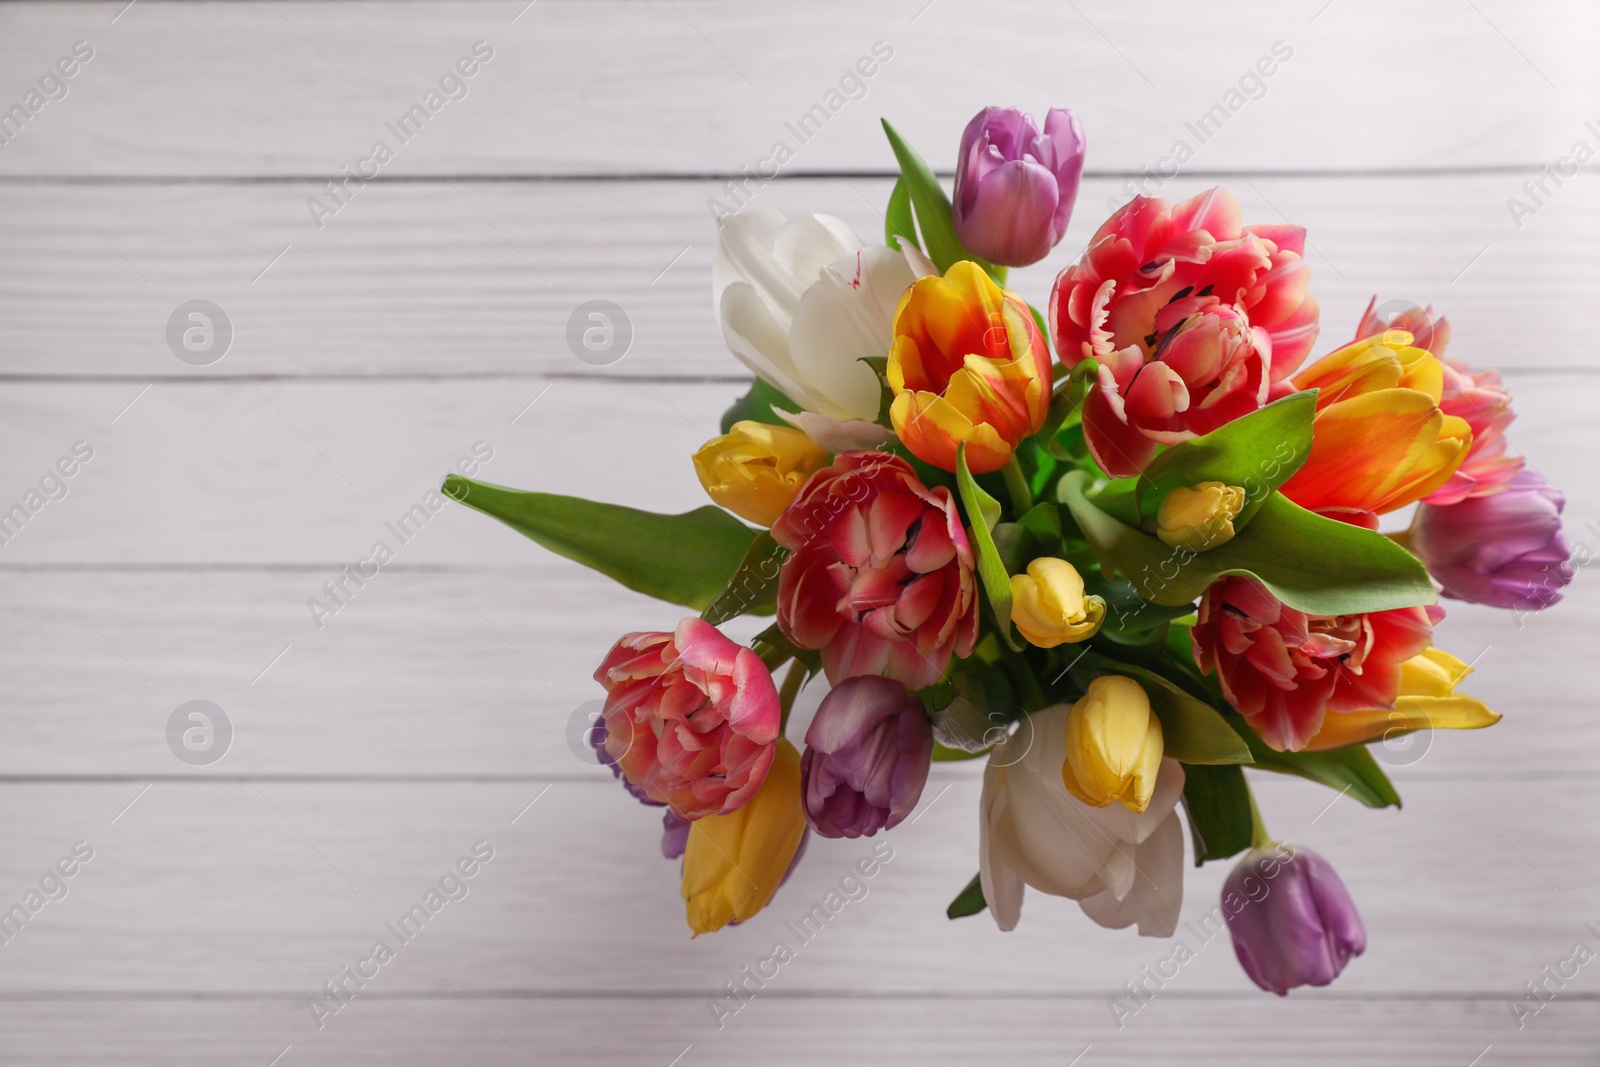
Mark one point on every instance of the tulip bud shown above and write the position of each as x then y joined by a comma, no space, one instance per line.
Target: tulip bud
1015,187
755,470
1200,517
1505,549
1114,745
734,863
969,366
1049,607
1291,919
867,756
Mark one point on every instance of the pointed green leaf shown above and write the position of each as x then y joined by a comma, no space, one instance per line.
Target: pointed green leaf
1350,770
897,218
1257,453
969,901
1320,566
683,559
1217,802
932,206
983,511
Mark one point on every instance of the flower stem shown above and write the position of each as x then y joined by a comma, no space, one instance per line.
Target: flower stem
791,687
1259,838
1017,486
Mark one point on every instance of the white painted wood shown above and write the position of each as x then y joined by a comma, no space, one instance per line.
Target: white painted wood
588,87
270,888
430,279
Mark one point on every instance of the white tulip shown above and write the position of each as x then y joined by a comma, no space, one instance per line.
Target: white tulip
801,302
1123,867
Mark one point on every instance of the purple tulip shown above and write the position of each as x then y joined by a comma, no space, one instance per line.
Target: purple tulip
1291,920
867,757
1015,188
674,835
1505,549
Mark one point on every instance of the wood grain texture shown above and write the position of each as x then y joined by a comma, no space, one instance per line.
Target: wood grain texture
470,278
241,89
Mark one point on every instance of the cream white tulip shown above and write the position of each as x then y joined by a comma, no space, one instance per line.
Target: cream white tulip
801,302
1123,867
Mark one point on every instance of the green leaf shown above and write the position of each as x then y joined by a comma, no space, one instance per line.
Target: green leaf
897,219
932,206
683,559
1320,566
1217,802
1257,453
1192,731
754,585
969,901
983,511
1351,769
757,406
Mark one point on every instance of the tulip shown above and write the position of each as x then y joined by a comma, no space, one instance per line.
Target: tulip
755,469
674,835
1193,319
735,862
1200,517
1380,440
1427,701
596,736
691,717
1505,550
968,366
1291,919
1114,745
880,575
1049,607
1479,398
1283,670
867,756
1122,866
801,303
1015,187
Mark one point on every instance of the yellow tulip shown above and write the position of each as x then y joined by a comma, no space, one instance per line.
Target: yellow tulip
734,862
1199,517
1049,607
1114,745
1427,701
755,470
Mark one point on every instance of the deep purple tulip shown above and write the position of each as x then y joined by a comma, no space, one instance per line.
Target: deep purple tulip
1015,187
866,760
674,835
1291,919
1505,549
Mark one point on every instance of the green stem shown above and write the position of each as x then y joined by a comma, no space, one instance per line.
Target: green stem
791,687
1259,838
1017,486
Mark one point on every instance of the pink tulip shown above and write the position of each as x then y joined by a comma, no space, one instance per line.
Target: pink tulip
691,717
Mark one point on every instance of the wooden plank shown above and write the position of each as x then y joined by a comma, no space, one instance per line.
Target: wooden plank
271,888
479,1027
430,279
579,87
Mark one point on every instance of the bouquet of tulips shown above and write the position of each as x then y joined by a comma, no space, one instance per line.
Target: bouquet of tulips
1119,573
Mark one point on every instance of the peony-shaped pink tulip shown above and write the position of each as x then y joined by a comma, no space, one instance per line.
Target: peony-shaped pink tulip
1015,187
1283,669
880,573
1192,318
691,717
1479,397
1505,549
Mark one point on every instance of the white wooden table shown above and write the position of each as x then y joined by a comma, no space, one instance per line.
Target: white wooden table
432,711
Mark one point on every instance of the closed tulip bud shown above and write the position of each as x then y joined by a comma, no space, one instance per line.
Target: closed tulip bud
867,756
755,470
1199,517
1291,919
1049,607
1015,187
734,863
1114,745
1505,549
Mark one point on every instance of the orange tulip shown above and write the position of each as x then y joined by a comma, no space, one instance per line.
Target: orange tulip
1380,440
1428,701
968,366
